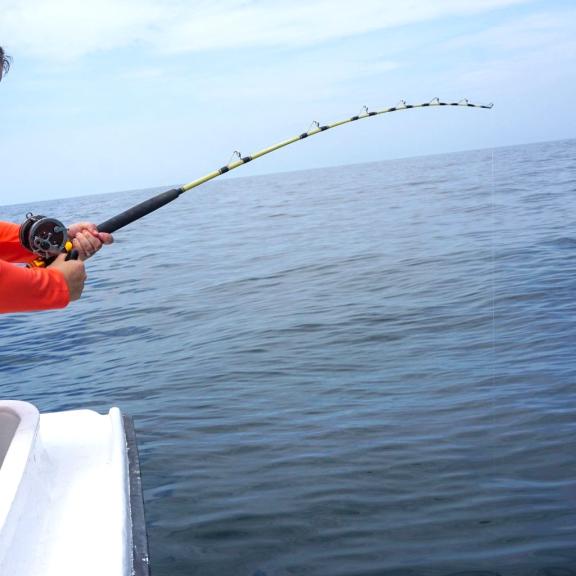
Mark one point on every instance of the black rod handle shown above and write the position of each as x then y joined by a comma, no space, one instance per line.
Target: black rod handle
136,212
72,255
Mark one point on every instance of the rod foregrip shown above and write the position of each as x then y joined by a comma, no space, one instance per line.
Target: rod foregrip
136,212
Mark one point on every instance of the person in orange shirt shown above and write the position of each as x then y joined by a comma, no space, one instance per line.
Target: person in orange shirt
30,289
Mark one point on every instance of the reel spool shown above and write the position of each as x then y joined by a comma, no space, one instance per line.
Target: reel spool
46,237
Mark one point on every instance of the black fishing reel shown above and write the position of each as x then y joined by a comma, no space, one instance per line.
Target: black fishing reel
46,237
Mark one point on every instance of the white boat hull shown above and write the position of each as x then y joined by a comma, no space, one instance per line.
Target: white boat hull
70,494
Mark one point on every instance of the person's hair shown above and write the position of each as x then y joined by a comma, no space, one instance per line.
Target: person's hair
4,62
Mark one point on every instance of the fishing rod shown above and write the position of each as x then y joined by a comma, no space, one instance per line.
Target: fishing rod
47,237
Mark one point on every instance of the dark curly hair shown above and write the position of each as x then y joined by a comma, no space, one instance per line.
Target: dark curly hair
4,62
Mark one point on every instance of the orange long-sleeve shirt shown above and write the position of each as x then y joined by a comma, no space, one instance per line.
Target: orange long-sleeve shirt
26,289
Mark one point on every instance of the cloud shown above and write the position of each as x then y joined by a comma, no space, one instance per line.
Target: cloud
69,29
539,47
321,76
300,23
529,33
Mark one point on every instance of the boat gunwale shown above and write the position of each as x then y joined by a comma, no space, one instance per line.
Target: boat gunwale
140,557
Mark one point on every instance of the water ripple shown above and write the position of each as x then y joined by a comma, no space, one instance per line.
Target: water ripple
364,370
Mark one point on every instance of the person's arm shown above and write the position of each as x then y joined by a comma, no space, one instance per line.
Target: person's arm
31,289
84,235
10,248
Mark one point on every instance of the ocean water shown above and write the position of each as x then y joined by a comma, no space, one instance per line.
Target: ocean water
356,371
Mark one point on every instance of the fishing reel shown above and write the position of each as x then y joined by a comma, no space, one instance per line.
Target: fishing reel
45,237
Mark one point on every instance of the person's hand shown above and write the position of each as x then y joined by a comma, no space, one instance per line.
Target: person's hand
87,240
74,273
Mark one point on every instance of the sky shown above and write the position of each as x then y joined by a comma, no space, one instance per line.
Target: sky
112,95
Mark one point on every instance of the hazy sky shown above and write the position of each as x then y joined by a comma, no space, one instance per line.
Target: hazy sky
109,95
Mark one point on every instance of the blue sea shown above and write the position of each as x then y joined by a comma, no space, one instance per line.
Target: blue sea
366,370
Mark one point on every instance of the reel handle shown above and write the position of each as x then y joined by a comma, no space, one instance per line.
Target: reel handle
71,254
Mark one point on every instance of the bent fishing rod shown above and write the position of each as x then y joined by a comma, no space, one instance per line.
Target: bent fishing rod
47,237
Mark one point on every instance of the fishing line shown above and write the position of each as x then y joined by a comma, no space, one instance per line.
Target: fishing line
492,388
